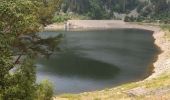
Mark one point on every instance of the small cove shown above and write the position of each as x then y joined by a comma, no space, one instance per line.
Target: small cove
94,60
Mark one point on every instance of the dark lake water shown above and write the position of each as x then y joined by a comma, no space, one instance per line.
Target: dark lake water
94,60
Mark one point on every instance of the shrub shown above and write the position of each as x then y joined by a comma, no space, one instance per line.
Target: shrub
44,91
129,19
60,18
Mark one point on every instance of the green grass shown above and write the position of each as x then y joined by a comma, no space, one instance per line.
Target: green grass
166,28
70,96
119,92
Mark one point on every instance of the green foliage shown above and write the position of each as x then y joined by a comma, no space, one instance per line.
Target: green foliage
165,27
141,6
77,6
21,84
46,10
5,64
16,20
129,19
96,10
19,23
60,18
156,10
99,9
44,91
149,10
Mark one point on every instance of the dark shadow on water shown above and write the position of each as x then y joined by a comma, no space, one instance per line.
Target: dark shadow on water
94,60
72,65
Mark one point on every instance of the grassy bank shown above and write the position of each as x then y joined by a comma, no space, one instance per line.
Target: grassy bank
155,89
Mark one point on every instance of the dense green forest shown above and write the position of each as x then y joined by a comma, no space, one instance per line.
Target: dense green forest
133,10
86,6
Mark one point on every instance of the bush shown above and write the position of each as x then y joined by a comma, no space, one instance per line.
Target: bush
60,18
129,19
44,91
126,19
0,96
140,19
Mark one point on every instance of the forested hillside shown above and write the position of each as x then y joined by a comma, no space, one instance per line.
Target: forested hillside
108,9
98,9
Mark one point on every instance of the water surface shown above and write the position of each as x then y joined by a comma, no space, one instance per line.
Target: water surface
94,60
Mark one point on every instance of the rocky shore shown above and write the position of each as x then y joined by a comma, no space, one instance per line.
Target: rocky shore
162,64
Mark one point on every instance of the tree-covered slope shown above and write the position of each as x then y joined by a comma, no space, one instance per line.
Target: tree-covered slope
91,7
106,9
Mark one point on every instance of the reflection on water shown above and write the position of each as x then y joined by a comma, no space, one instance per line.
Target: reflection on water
93,60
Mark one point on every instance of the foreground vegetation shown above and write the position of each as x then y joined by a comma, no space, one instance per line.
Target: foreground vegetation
20,21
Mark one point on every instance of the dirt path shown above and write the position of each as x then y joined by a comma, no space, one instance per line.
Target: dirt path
105,24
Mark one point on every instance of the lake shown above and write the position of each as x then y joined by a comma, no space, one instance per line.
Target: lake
98,59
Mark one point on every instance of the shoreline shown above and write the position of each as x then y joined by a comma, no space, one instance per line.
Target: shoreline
112,24
74,25
161,63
